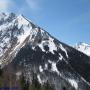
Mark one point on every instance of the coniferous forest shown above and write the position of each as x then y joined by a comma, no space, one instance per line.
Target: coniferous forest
8,81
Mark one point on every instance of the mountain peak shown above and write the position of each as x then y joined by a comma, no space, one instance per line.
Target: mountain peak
83,47
82,43
27,48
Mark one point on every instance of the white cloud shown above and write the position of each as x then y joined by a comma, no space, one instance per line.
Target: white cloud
4,5
34,4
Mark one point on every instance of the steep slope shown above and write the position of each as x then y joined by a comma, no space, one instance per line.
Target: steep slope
27,48
83,47
14,30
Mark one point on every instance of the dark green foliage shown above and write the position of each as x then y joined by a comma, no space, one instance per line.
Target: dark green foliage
23,84
64,88
1,72
47,86
37,86
1,83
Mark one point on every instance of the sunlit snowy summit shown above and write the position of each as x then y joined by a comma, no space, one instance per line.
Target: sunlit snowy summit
83,47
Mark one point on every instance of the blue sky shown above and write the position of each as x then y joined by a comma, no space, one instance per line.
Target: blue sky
67,20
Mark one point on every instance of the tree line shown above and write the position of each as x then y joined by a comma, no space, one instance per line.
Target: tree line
8,79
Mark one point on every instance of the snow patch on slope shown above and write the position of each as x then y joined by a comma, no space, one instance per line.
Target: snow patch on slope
39,79
41,46
40,68
46,66
50,43
60,56
63,49
73,83
54,67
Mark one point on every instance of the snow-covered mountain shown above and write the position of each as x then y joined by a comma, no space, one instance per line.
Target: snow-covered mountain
27,48
14,30
83,47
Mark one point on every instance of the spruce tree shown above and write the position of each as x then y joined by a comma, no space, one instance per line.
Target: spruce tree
23,84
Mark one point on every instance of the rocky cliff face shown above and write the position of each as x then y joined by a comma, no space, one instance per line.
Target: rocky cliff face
27,48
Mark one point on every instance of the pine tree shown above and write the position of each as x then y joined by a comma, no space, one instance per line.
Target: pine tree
1,72
47,86
1,78
23,84
35,84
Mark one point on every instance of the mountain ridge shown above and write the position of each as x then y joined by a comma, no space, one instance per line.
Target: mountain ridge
83,47
31,49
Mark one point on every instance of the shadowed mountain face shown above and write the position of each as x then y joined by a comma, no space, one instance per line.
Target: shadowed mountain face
27,48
